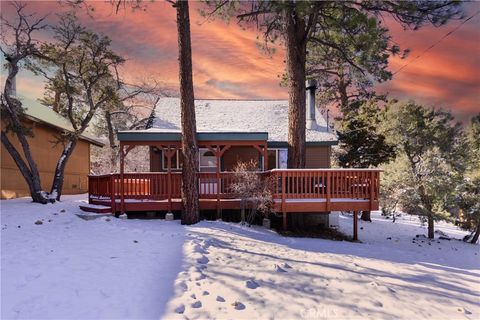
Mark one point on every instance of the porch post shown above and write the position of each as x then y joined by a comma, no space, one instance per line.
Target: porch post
217,156
355,225
265,157
169,170
122,183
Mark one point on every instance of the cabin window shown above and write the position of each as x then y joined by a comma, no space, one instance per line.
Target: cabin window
207,160
176,161
277,158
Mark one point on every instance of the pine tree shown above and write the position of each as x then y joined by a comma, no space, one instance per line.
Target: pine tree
427,169
468,191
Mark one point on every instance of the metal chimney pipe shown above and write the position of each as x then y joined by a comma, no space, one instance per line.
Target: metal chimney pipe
311,86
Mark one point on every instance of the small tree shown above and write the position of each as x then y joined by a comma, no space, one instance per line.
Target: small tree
18,46
253,189
81,73
427,143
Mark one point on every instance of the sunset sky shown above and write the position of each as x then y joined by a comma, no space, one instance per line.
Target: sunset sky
228,64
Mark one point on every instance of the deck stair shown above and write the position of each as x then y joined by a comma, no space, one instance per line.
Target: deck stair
95,208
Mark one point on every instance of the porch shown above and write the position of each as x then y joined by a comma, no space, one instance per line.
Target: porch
293,191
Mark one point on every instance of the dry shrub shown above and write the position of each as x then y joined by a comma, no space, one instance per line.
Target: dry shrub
254,188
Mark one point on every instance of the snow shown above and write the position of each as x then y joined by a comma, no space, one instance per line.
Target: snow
70,268
269,116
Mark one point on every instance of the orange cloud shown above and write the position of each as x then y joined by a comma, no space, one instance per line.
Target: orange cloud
228,64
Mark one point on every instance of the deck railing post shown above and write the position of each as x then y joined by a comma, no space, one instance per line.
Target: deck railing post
355,225
112,192
372,190
284,211
328,191
122,182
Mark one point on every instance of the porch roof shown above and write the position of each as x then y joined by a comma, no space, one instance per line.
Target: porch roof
156,134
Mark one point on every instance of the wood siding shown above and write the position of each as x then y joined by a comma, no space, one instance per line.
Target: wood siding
45,154
318,157
239,154
155,160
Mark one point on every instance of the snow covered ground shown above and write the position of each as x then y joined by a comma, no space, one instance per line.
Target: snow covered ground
69,267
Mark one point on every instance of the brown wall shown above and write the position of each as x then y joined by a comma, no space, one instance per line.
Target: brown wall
318,157
155,160
46,155
239,154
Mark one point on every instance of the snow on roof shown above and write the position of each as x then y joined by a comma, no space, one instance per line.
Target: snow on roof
39,112
269,116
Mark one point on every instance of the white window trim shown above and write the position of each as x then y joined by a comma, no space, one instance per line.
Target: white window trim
175,166
277,158
200,151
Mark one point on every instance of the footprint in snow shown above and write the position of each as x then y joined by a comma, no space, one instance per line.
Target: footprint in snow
464,310
196,276
252,284
238,305
205,293
199,249
180,309
378,304
203,260
197,304
183,286
220,299
286,266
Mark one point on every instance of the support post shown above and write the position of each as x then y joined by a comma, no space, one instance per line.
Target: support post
217,156
265,157
328,190
112,192
169,175
284,211
372,190
355,225
122,182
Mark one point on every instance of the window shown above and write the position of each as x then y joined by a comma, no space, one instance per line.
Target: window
176,161
207,160
277,158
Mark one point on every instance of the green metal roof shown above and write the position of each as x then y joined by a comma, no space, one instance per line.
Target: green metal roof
38,112
153,135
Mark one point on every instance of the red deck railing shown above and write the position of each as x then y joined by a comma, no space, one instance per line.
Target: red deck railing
291,184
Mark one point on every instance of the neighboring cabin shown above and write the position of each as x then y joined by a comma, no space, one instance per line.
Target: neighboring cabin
46,126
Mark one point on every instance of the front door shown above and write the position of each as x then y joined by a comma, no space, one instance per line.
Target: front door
207,163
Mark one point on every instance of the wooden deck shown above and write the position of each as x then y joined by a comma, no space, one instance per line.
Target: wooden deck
294,190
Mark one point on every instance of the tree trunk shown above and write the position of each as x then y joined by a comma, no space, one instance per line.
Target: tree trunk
190,214
13,111
111,141
33,181
296,54
476,235
431,229
366,216
58,178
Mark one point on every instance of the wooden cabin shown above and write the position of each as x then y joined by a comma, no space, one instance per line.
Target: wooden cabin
229,131
46,126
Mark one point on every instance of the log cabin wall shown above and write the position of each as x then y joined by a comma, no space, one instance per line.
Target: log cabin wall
45,154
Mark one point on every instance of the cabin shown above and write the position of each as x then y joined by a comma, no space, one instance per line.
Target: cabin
229,131
46,126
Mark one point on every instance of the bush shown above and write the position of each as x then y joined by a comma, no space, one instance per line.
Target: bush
254,189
